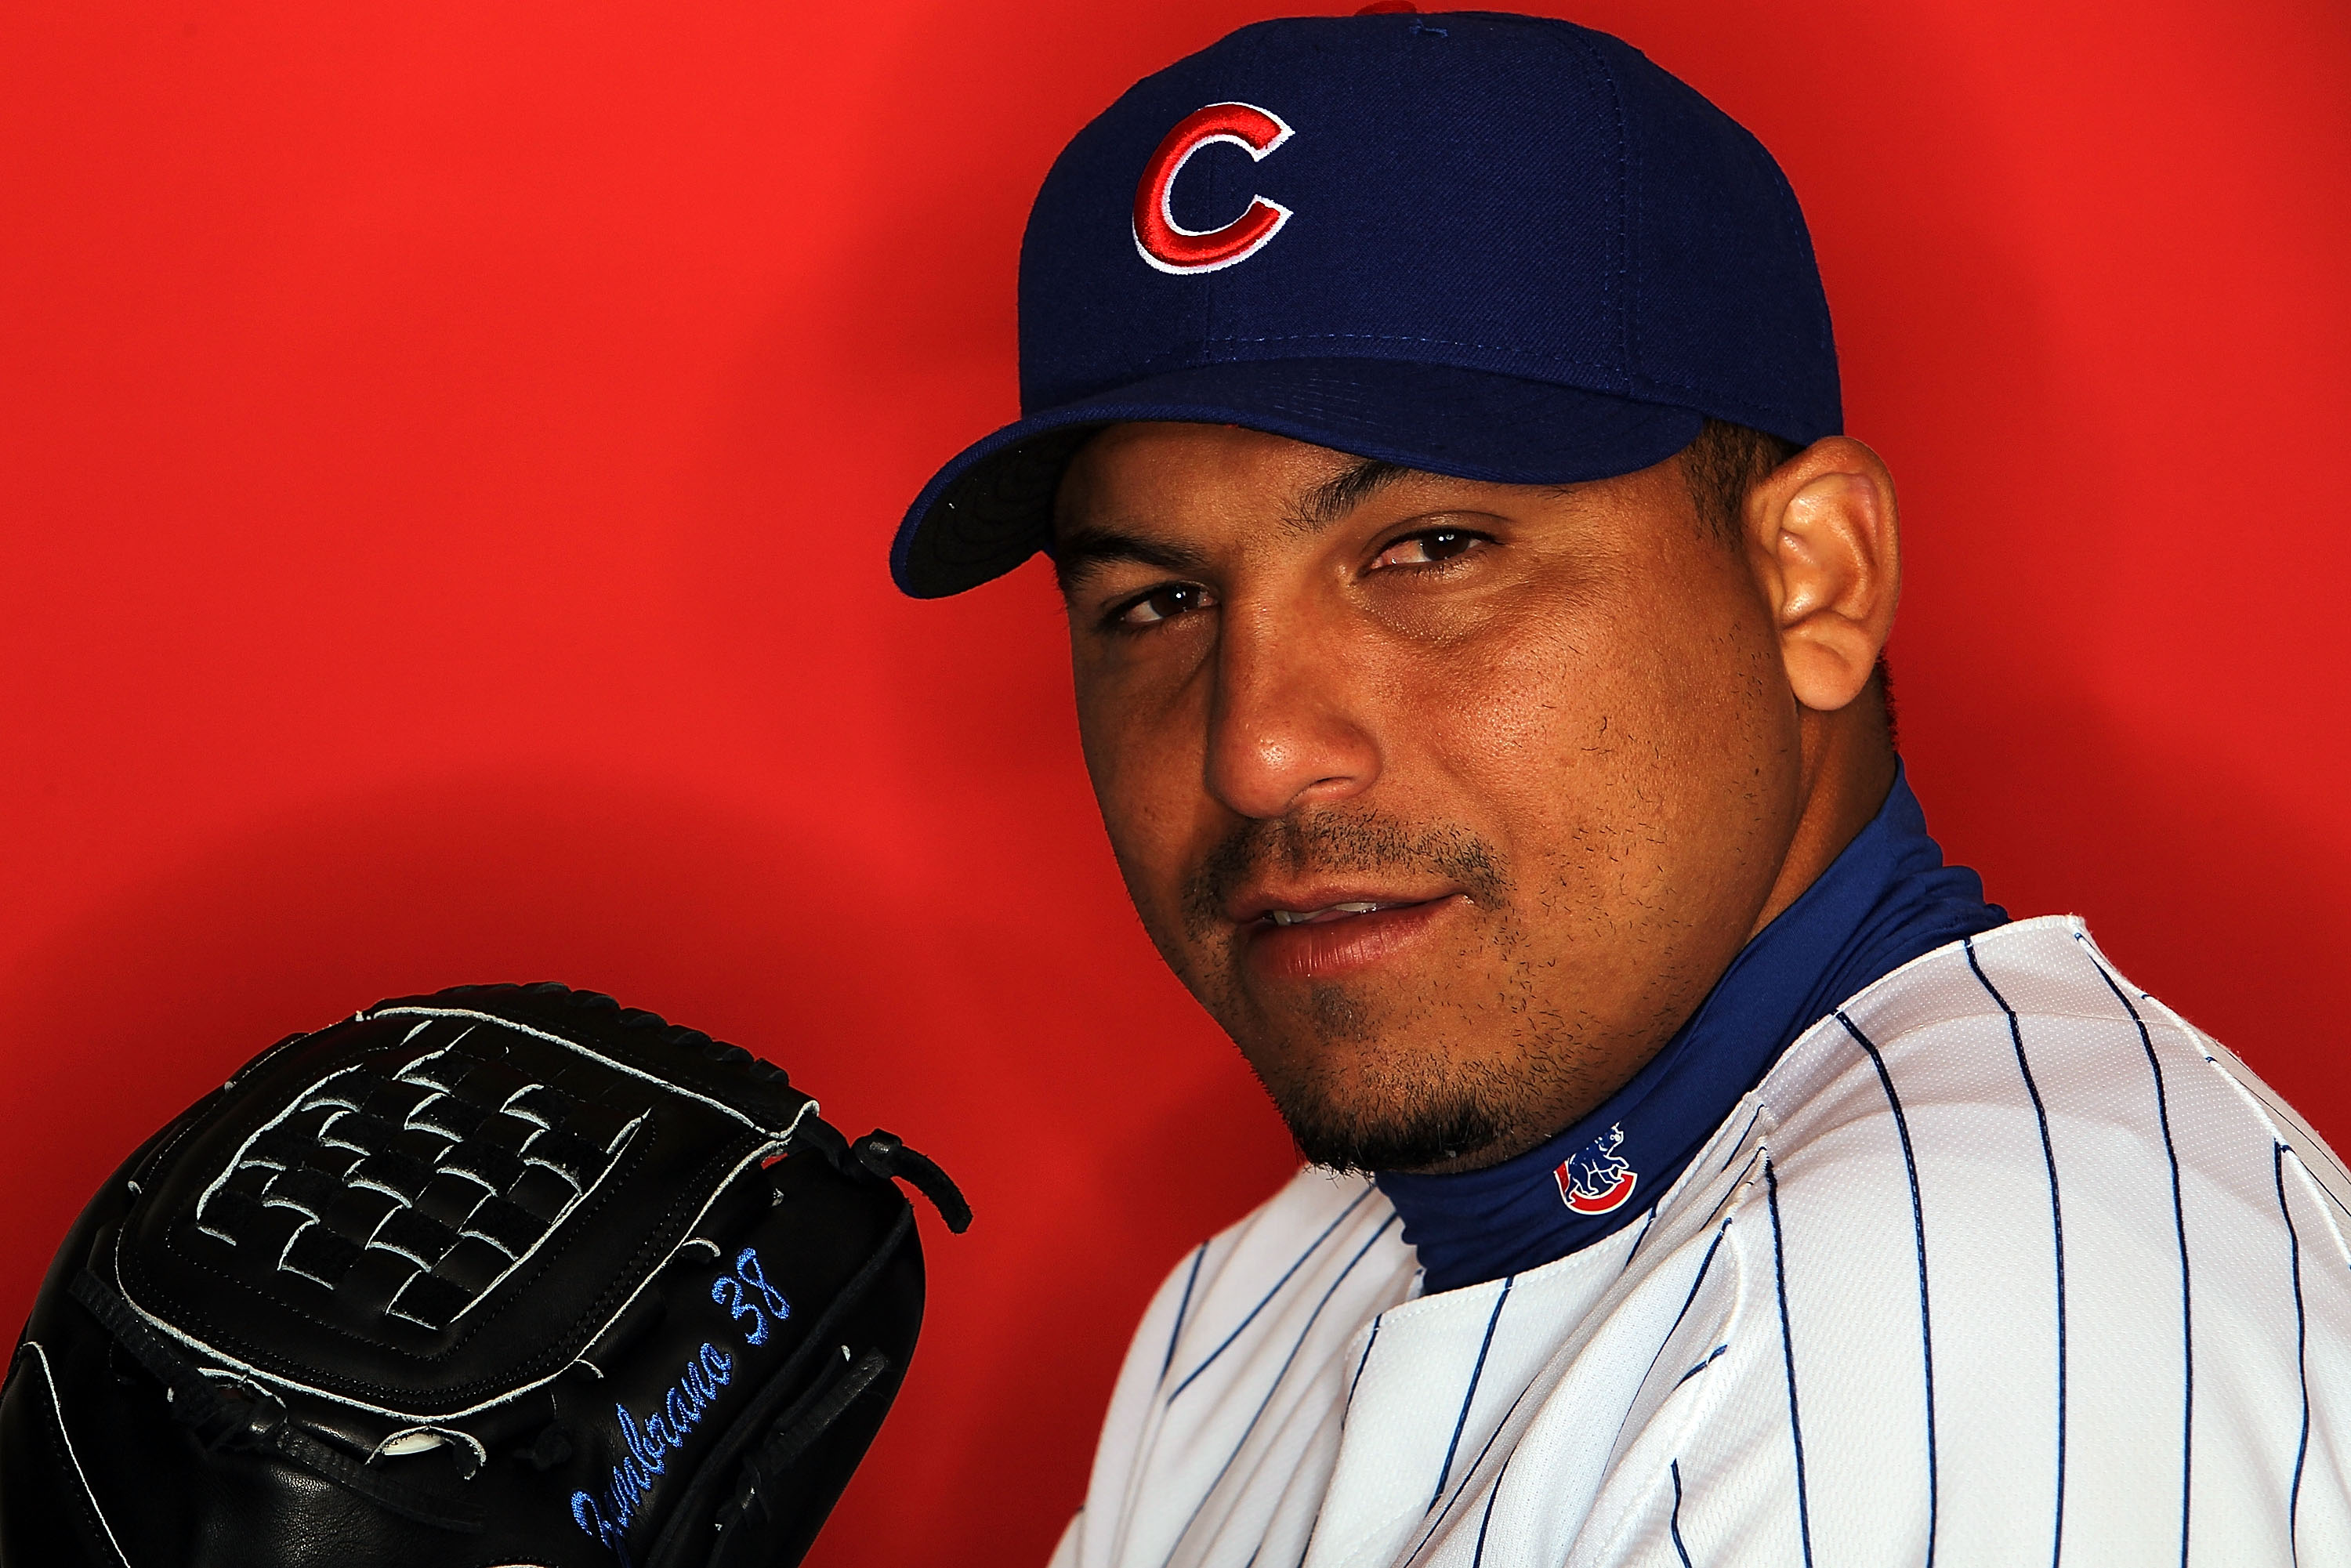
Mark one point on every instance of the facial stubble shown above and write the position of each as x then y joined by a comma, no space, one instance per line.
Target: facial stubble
1364,1079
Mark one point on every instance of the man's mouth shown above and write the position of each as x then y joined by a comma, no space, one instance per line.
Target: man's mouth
1320,941
1331,912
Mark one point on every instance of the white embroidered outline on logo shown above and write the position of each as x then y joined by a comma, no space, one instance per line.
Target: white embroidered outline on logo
1155,196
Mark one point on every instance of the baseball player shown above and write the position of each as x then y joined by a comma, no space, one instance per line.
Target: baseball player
1476,613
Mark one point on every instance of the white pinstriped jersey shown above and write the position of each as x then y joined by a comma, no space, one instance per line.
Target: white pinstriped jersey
2001,1262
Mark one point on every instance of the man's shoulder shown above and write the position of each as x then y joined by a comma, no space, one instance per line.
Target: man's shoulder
2005,1208
1303,1271
2043,974
2022,1066
1321,1224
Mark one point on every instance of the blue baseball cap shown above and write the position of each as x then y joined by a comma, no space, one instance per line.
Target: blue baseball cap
1494,247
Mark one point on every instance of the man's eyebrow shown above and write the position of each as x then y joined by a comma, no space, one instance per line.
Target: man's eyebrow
1333,499
1084,552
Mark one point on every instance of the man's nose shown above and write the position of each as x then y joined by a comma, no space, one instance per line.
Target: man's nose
1289,726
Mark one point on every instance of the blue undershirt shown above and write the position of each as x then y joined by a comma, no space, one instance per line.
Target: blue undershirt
1887,899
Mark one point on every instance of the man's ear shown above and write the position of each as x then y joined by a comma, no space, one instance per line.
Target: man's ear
1824,543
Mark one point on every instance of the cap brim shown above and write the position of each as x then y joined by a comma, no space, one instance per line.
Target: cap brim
992,506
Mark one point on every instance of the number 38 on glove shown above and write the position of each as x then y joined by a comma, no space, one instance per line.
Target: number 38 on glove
500,1275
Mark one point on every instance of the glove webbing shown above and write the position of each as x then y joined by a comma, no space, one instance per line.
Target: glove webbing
241,1424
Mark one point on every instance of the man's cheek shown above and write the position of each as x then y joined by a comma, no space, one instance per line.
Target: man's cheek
1515,721
1157,870
1131,794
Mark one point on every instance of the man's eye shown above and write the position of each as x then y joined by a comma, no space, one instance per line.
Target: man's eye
1162,603
1432,548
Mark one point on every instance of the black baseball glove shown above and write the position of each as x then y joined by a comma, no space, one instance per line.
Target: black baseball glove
504,1275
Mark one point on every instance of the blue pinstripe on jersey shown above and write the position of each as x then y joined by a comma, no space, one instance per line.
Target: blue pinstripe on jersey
1328,1231
1287,1362
1477,1374
2282,1114
2301,1355
2056,1227
2179,1226
1478,1558
1918,1233
1741,1141
1701,1366
1788,1350
1471,1475
1675,1523
1639,1240
1704,1264
1366,1359
1182,1307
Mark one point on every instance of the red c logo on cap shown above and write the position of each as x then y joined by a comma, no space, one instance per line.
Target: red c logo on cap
1171,247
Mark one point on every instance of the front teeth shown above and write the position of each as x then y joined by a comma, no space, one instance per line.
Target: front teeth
1289,917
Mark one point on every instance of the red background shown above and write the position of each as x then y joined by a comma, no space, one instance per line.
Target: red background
448,453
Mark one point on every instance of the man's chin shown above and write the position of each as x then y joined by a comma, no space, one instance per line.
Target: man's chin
1385,1132
1366,1086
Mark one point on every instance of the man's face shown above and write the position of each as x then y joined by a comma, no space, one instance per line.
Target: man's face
1449,800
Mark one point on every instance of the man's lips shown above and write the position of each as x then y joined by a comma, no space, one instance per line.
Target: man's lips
1324,903
1313,935
1345,911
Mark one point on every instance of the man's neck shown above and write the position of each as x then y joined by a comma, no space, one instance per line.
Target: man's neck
1848,767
